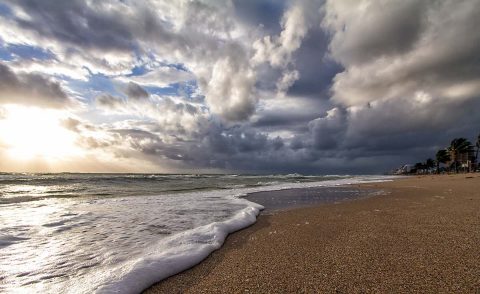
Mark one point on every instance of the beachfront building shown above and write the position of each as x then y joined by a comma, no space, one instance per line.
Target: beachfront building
464,161
405,169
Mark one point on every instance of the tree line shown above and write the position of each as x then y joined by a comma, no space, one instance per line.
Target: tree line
460,156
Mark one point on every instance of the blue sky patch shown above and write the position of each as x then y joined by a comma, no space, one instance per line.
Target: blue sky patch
5,54
5,10
30,52
96,85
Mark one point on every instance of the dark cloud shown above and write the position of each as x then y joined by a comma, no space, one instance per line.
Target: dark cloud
328,131
78,23
108,101
178,107
431,66
134,135
395,126
135,91
76,125
368,30
289,115
264,13
31,89
316,69
282,120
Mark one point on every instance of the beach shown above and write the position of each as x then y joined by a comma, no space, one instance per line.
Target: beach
125,232
421,234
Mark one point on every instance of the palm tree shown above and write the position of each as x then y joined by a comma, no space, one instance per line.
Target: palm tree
458,146
477,144
442,156
430,163
418,167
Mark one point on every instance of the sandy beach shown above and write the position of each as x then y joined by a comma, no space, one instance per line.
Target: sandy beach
421,235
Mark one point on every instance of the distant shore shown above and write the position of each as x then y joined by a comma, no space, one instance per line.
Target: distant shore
422,235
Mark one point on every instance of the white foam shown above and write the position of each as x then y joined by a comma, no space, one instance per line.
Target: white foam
183,251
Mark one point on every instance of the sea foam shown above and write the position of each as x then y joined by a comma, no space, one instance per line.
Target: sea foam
175,254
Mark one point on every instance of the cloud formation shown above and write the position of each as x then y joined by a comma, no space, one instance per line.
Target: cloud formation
278,86
404,49
135,91
30,89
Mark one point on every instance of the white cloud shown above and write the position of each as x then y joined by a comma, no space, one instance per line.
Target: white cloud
229,91
277,50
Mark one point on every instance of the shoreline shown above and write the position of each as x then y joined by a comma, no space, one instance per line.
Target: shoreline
294,198
422,236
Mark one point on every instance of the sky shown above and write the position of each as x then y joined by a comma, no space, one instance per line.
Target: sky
238,86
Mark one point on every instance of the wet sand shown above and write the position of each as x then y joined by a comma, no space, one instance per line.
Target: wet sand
422,236
275,201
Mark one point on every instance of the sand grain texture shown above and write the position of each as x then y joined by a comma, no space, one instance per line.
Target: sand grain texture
422,236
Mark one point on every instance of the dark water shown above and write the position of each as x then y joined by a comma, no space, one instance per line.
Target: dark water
20,187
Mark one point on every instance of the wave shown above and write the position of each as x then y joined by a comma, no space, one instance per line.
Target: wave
184,250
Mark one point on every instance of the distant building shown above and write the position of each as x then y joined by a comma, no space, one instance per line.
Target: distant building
465,161
405,169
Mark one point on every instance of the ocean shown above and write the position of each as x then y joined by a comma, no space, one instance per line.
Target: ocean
120,233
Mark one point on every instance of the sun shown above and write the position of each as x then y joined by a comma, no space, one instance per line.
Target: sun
28,133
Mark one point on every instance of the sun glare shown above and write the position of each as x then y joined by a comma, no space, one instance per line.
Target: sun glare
32,133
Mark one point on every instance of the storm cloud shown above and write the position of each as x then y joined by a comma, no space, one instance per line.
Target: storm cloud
253,86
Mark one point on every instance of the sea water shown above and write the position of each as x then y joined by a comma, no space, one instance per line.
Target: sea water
120,233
